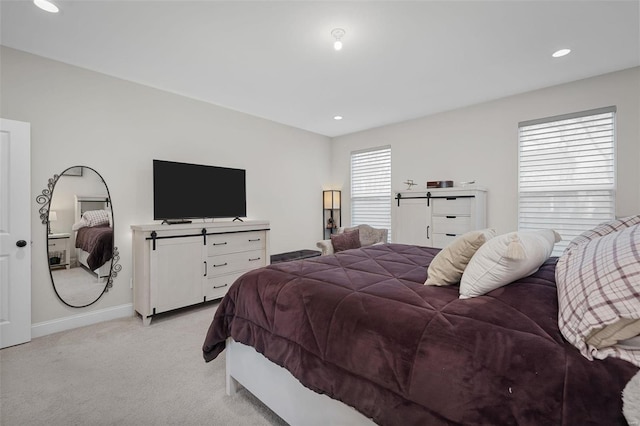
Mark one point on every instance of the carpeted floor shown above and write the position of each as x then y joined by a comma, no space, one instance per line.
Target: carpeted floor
121,373
77,286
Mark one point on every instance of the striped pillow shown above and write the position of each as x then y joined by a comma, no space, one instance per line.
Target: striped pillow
602,230
598,286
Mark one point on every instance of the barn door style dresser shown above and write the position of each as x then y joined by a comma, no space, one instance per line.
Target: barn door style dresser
181,265
436,216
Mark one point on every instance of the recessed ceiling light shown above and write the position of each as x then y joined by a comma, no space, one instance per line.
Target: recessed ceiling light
561,52
337,117
46,5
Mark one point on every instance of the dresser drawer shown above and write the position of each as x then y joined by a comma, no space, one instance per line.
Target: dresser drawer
216,287
451,224
442,240
233,262
233,243
58,244
451,206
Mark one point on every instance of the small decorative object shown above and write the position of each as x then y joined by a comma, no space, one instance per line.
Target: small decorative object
439,184
330,223
467,183
409,183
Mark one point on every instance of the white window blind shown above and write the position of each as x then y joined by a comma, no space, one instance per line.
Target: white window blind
567,173
371,188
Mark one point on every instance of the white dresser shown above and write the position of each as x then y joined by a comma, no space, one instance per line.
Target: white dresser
181,265
434,217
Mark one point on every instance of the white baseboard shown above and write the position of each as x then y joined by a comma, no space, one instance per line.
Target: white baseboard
80,320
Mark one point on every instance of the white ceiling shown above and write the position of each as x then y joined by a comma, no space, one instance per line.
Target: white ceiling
272,59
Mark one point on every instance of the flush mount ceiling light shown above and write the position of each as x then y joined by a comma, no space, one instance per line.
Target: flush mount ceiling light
46,5
560,53
337,117
337,33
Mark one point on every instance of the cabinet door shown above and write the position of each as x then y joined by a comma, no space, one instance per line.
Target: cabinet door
177,273
412,222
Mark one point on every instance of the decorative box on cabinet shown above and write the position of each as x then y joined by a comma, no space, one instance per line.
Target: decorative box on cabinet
181,265
436,216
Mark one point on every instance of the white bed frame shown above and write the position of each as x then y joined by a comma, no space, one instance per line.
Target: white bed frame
282,393
82,204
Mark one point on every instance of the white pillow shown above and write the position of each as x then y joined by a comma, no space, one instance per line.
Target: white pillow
506,258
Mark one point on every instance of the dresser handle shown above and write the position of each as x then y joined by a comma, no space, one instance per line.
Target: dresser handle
205,268
220,244
251,260
451,217
222,264
427,232
252,241
450,235
220,286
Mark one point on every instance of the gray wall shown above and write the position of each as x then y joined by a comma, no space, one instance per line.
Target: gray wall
117,127
480,143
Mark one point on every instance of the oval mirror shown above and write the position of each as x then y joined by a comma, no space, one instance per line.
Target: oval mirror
81,254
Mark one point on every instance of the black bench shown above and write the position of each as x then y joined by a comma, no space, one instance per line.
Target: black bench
294,255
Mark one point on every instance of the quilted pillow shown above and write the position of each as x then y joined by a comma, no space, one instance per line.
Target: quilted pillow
602,230
96,217
345,241
449,264
599,286
93,218
506,258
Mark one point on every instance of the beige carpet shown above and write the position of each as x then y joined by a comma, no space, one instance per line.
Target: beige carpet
77,286
121,373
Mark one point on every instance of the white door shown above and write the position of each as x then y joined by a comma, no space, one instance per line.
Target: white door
15,233
412,222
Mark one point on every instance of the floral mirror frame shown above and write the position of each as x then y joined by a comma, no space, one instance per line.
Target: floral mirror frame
53,258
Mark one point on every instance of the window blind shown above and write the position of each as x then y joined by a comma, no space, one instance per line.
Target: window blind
371,188
566,173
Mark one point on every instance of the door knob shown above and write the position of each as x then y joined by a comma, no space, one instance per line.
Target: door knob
21,243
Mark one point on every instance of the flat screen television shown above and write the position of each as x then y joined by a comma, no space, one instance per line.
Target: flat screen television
192,191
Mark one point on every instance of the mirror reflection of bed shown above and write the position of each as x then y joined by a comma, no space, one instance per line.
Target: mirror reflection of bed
93,225
83,216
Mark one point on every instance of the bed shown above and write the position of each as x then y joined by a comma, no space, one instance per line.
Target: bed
362,328
94,234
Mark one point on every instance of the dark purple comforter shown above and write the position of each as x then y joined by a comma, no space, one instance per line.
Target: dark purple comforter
361,327
98,242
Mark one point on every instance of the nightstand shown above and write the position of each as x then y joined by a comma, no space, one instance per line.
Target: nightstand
59,249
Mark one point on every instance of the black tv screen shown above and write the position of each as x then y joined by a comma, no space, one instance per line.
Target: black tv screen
191,191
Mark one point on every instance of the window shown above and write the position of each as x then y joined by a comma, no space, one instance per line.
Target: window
371,188
566,173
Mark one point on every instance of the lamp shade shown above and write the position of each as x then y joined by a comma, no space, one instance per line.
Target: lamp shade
331,199
53,215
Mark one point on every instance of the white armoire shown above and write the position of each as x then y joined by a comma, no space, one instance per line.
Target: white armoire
435,216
